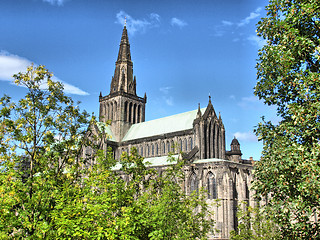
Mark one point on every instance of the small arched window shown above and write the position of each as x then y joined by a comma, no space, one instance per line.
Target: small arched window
211,186
172,146
152,150
157,149
193,183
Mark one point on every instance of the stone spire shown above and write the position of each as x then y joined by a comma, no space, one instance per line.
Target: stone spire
123,79
124,50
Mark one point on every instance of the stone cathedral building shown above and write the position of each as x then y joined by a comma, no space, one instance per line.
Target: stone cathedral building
198,134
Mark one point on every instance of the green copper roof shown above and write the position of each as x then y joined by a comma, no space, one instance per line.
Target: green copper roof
107,130
174,123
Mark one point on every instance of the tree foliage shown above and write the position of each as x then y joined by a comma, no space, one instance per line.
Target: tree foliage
289,78
254,223
50,189
39,138
127,200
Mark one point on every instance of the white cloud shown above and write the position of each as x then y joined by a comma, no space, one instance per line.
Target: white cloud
178,22
165,95
165,90
251,16
246,136
227,23
55,2
257,41
155,16
168,100
68,88
138,25
11,64
218,31
251,102
226,26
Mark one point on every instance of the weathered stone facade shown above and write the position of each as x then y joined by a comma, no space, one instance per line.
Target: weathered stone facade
199,135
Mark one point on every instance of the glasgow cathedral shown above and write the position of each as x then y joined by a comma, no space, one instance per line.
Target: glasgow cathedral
198,136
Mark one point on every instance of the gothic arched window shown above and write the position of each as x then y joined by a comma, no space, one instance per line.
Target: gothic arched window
172,146
134,113
168,146
139,113
186,145
190,143
125,113
141,151
130,113
152,149
211,186
157,149
164,147
115,111
180,145
193,183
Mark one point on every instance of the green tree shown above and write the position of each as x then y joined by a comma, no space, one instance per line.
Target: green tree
254,224
288,72
128,200
39,153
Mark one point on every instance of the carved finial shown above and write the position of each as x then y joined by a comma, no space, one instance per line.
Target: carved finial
199,111
100,94
209,98
145,97
219,115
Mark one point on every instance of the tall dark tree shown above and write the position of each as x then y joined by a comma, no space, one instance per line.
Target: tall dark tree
288,67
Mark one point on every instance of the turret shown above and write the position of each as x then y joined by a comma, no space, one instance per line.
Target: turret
235,153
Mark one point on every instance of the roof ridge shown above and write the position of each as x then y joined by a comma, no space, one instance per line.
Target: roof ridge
174,123
202,109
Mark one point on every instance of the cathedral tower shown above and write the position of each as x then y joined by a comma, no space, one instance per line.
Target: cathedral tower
122,106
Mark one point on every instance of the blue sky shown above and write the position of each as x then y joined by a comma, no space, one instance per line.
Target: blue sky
182,51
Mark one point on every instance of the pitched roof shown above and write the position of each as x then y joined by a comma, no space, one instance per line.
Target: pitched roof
107,130
170,124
